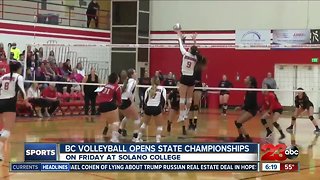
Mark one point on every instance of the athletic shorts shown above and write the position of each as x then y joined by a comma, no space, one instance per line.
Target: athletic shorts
153,110
176,108
125,104
278,111
198,84
187,80
107,107
224,92
253,112
8,105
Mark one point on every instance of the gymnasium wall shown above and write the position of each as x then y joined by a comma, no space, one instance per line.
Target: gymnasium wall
222,15
225,61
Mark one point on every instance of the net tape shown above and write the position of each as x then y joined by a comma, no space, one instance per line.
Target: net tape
232,46
175,87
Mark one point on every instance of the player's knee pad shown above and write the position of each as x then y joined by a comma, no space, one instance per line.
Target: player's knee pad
137,121
143,126
238,125
293,118
159,128
189,100
275,124
264,121
311,118
182,100
196,107
5,134
116,123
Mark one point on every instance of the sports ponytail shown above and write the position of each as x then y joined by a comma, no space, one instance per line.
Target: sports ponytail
155,82
124,80
14,66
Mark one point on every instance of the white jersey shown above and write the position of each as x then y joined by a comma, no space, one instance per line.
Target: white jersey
11,86
188,61
129,91
158,99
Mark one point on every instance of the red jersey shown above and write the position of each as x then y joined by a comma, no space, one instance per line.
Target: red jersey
111,93
50,93
271,102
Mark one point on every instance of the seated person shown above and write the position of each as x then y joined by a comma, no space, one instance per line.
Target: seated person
51,99
33,94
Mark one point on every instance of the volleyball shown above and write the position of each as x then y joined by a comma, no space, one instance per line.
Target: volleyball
177,27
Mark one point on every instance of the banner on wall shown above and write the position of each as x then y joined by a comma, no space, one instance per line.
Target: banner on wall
253,39
315,36
301,36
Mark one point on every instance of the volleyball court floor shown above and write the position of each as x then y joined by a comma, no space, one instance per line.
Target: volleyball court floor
212,127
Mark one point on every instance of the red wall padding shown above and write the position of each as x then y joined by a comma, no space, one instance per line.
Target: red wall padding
230,61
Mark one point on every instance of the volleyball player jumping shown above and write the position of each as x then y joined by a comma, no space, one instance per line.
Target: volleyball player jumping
11,84
187,80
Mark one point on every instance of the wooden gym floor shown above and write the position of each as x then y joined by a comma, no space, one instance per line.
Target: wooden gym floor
211,128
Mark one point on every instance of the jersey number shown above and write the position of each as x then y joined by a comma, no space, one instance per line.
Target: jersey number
6,86
106,91
189,64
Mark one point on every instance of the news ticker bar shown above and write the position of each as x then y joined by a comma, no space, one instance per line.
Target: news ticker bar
142,167
205,152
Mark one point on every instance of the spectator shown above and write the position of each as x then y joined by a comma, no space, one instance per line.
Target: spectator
30,57
15,52
169,81
67,67
88,91
51,57
159,75
80,69
50,72
39,75
76,77
145,80
49,94
3,56
33,94
28,77
269,81
39,54
92,10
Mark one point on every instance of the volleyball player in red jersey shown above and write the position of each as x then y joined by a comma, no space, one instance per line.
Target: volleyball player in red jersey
272,109
111,99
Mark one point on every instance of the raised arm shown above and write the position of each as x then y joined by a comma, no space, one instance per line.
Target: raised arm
183,51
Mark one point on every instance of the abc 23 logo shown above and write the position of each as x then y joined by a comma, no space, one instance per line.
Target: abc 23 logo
278,152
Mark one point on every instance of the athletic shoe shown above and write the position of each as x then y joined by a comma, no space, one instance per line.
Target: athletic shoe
289,129
180,120
240,138
105,131
114,140
124,132
317,131
282,137
137,140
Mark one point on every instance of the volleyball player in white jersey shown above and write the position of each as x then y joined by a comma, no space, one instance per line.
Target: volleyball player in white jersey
154,101
11,84
127,108
187,80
